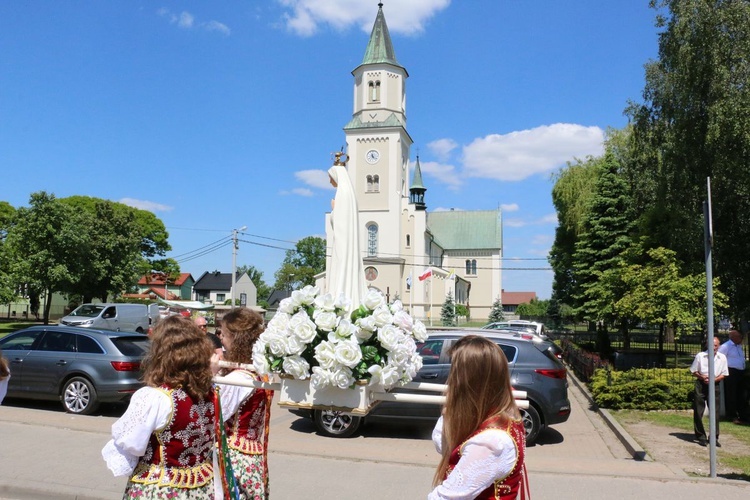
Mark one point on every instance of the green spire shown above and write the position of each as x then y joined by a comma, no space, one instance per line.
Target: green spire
380,48
417,180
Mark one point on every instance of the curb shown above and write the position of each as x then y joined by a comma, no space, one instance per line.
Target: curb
630,444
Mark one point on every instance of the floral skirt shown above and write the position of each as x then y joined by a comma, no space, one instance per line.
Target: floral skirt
153,491
250,474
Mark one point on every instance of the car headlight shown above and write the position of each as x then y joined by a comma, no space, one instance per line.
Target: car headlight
88,322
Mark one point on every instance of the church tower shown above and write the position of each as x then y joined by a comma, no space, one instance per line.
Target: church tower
378,144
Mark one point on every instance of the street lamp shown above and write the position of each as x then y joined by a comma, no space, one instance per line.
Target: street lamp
234,263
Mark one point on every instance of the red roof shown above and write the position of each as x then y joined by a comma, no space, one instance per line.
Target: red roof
158,279
515,298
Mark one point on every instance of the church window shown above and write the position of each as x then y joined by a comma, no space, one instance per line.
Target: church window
369,184
376,183
374,88
471,266
408,240
372,239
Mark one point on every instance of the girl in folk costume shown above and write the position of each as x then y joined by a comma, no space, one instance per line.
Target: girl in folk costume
165,439
246,410
4,376
480,435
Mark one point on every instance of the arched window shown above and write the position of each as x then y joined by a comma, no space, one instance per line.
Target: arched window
374,88
376,183
408,241
468,266
369,184
474,266
372,239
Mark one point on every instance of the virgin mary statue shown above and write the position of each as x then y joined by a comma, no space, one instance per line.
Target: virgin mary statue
346,275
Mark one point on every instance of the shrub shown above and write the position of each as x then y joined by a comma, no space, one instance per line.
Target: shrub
642,389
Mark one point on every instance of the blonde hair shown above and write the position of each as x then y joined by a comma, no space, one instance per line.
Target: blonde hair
478,388
4,368
179,357
245,326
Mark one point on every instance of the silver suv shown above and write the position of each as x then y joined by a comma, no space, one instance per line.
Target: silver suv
534,368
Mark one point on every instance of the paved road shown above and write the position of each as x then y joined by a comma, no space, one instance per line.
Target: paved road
47,454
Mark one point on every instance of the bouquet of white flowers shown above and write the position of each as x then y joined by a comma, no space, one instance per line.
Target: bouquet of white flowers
312,337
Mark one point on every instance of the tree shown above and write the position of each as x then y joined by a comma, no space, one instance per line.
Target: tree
46,245
693,125
534,309
7,284
302,264
448,312
496,313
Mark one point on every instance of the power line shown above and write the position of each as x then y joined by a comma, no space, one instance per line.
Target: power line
187,254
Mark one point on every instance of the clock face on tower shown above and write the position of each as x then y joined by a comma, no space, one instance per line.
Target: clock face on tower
372,156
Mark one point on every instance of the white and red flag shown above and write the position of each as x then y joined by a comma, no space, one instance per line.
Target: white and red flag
426,274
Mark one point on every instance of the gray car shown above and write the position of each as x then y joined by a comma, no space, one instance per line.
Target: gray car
79,367
534,368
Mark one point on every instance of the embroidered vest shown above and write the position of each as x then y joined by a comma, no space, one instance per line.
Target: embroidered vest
180,454
247,430
505,488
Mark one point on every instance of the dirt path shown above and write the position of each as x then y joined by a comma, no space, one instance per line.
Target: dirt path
676,447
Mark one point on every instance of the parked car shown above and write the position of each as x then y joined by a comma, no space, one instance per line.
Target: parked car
125,317
534,369
524,331
81,367
520,324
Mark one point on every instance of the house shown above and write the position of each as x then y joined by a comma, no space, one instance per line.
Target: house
154,286
216,288
511,300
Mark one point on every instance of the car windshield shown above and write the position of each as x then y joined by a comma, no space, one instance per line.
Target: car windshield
88,311
132,346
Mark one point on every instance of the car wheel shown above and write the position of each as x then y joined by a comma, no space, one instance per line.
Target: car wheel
531,422
336,423
79,396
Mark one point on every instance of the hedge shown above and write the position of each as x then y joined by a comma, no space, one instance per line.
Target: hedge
643,389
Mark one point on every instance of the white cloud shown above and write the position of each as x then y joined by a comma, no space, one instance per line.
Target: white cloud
519,222
302,192
186,20
514,223
509,207
151,206
549,219
444,173
518,155
304,17
541,239
540,253
442,148
314,178
218,27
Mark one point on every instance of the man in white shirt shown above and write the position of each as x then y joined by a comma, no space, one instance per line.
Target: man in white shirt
699,369
734,384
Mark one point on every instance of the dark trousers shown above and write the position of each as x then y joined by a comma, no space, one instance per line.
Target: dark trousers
734,397
699,406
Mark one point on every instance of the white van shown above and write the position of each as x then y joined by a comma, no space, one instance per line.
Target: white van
118,317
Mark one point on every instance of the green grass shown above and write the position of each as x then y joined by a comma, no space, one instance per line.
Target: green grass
7,327
683,419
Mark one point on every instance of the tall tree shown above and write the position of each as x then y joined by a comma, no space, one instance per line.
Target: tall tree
45,245
302,264
7,283
256,276
448,311
693,124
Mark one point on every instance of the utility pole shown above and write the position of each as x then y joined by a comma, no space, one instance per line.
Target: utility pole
235,247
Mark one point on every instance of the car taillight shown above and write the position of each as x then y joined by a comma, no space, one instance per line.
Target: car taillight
126,366
561,373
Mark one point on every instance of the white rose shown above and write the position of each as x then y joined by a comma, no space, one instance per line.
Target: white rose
326,320
390,337
419,331
325,353
373,299
277,345
294,345
342,378
320,378
286,306
403,320
363,334
260,361
397,306
280,321
307,295
400,356
325,302
367,323
344,331
348,354
382,316
303,327
343,304
389,376
297,367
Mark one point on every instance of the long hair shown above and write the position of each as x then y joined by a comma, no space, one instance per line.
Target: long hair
4,368
180,356
478,388
245,326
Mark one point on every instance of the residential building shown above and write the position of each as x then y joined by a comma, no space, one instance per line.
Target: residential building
158,285
216,288
511,300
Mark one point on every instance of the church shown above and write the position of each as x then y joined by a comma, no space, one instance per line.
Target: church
409,253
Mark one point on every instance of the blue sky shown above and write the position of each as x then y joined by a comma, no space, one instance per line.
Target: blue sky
218,115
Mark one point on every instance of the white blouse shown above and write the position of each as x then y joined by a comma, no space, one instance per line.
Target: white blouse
4,387
486,457
232,396
149,410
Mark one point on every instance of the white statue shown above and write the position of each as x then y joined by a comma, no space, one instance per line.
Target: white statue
346,274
